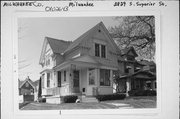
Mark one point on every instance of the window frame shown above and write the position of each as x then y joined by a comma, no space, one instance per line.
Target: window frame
59,78
103,51
92,78
103,80
97,50
64,75
48,80
100,50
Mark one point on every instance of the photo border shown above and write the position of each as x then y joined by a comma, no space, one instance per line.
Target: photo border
124,112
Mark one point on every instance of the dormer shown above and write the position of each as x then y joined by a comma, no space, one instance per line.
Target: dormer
129,54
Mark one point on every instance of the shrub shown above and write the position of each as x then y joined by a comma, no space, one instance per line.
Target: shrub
142,93
111,97
43,100
70,98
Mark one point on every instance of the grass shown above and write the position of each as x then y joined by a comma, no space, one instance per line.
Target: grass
45,106
131,102
137,102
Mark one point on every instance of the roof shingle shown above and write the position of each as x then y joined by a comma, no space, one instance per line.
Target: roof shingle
58,46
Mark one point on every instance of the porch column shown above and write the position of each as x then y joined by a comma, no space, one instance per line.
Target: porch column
70,81
153,85
45,80
128,86
144,85
111,77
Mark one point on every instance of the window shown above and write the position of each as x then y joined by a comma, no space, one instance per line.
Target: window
97,50
48,79
64,75
104,77
91,77
76,78
100,50
103,51
130,58
126,68
47,60
59,79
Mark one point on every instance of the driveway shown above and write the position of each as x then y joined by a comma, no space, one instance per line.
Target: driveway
128,103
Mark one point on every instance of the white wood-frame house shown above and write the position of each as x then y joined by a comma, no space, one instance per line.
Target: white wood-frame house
82,67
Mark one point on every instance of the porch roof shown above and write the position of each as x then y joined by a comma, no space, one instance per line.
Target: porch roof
46,70
144,75
82,61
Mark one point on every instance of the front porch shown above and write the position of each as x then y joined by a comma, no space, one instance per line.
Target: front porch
80,78
142,80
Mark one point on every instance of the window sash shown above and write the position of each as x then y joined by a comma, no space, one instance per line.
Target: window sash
59,78
103,51
91,76
48,79
97,50
64,75
76,78
104,77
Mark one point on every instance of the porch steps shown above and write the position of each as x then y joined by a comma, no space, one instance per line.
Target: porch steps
88,99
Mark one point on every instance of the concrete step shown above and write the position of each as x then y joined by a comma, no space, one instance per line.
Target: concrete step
88,99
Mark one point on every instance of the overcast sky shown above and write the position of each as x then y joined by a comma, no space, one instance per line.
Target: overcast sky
31,35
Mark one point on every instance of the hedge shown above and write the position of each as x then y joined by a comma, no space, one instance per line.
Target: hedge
111,97
142,93
69,98
43,100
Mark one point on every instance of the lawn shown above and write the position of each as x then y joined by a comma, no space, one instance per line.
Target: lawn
132,102
136,102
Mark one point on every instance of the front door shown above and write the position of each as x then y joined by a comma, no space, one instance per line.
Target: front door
91,89
59,79
76,81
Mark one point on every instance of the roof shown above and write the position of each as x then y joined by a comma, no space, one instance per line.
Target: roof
79,39
125,51
146,62
58,46
143,74
20,83
34,84
61,46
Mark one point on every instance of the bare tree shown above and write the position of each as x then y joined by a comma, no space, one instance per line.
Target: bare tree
137,31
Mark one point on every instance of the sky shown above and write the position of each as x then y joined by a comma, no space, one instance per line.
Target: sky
32,31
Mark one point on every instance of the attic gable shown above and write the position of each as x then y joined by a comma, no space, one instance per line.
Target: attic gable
97,28
129,51
28,80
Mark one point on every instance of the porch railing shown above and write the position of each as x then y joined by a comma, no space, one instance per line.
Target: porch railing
57,90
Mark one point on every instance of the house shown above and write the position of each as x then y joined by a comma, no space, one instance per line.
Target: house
136,75
28,89
82,67
86,67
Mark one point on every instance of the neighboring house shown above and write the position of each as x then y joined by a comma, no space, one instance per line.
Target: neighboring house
28,89
82,67
136,75
86,66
